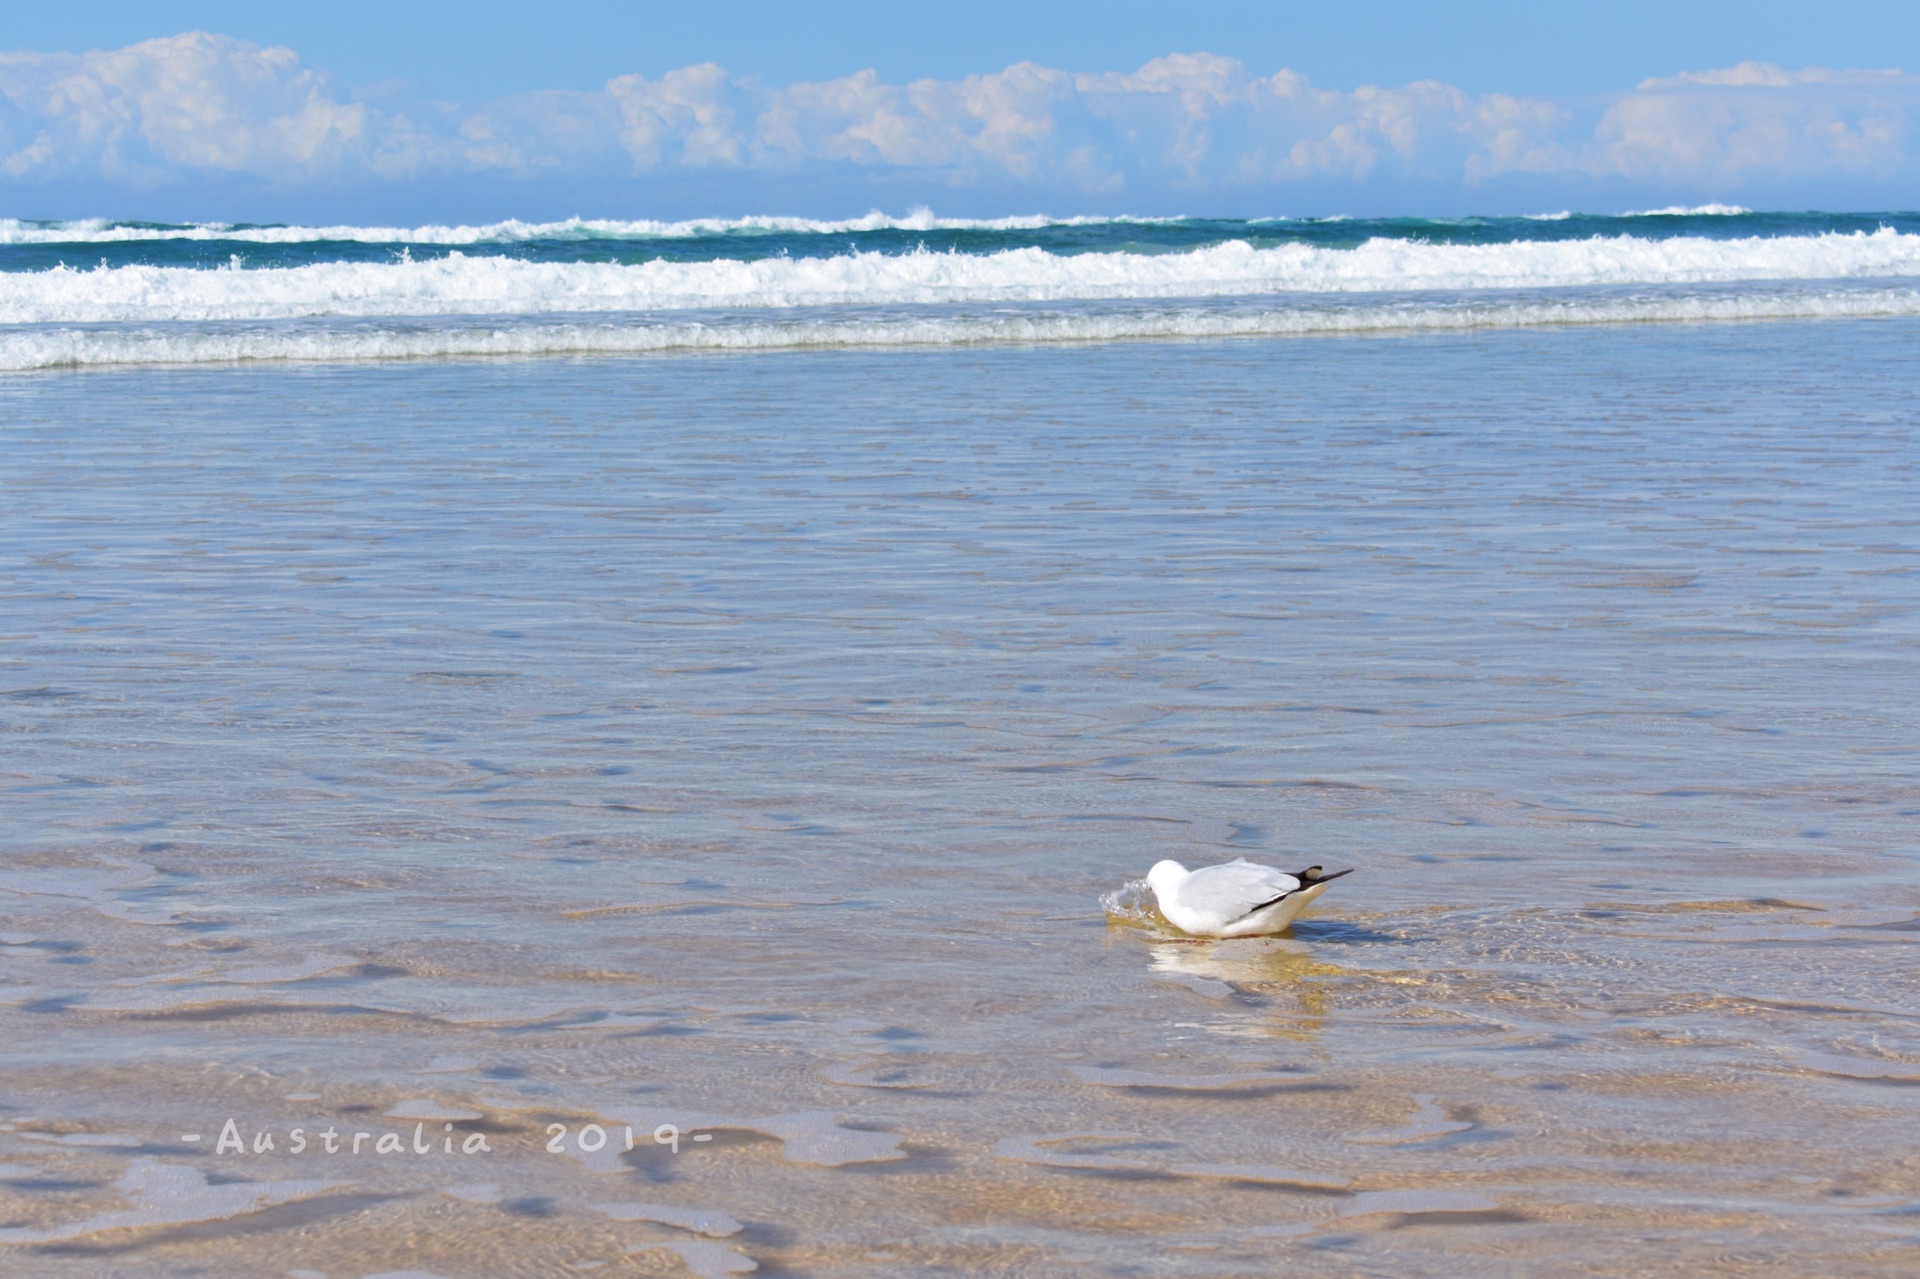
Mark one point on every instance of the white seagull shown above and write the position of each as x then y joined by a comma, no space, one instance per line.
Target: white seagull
1238,899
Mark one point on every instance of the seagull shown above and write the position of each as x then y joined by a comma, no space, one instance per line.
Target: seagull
1237,899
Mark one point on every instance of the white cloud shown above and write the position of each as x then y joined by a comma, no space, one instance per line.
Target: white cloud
686,117
199,105
172,107
1757,120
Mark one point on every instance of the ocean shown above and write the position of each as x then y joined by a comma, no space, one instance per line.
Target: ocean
632,747
81,294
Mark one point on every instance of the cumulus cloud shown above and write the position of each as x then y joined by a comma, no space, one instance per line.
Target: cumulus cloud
183,108
1759,120
172,107
686,117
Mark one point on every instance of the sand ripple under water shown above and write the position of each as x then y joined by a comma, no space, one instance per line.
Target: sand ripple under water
658,811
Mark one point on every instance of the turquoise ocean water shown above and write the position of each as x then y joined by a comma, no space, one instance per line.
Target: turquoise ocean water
99,293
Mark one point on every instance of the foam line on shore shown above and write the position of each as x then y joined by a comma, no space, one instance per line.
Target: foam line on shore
25,350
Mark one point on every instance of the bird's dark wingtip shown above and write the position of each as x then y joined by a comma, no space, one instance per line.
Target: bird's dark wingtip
1312,875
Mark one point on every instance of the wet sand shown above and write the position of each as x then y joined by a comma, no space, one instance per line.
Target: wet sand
744,746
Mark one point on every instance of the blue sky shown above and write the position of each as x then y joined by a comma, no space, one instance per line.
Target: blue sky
481,110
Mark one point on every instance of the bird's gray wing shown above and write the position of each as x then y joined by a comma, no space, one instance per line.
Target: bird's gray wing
1236,889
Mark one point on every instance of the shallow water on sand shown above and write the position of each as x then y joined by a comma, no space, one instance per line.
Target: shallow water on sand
745,744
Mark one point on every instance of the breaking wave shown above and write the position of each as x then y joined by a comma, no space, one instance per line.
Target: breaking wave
215,292
1694,211
457,284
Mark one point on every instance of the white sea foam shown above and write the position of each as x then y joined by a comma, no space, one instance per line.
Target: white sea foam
497,286
460,305
1694,211
103,231
48,348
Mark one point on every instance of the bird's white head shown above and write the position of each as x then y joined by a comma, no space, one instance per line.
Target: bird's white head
1164,876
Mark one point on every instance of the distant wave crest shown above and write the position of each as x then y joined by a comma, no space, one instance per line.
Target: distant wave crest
1694,211
512,231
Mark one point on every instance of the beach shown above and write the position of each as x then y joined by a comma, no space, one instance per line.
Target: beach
717,778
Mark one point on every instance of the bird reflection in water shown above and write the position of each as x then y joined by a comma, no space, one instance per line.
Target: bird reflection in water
1283,975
